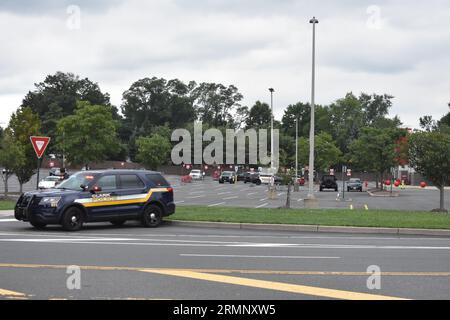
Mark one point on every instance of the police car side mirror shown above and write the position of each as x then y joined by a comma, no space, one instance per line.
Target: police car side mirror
83,187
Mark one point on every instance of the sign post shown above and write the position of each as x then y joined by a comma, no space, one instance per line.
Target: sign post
39,146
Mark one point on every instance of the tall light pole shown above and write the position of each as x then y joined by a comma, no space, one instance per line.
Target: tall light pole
271,128
314,21
296,149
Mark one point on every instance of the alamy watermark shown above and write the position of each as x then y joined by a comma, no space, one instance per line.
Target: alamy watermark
374,280
73,21
235,146
374,21
73,281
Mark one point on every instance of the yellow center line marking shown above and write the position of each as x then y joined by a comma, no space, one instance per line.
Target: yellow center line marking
271,285
267,272
9,293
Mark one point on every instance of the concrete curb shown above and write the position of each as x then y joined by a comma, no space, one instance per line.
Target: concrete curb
394,195
309,228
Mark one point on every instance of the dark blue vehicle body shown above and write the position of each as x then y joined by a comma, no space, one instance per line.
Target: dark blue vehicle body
111,195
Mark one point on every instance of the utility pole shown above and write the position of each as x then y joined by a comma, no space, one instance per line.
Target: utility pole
271,129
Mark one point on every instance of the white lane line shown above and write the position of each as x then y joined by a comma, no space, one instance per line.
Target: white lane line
280,194
217,204
112,241
196,197
178,202
263,199
222,193
247,256
196,192
230,198
8,220
261,206
250,194
258,236
299,200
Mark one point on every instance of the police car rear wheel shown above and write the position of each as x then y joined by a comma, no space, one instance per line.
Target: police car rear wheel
152,217
72,220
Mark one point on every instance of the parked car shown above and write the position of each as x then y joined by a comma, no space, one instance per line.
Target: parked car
252,177
242,176
49,182
228,176
266,178
98,196
354,184
54,172
196,174
328,182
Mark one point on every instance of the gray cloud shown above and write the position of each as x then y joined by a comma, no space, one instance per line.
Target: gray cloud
251,43
43,7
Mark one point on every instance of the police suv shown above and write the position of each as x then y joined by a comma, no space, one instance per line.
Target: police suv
97,196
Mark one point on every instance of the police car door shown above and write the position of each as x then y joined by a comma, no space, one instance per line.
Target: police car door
133,192
103,206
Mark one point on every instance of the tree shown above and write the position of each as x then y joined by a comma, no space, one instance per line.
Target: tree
22,125
346,121
155,101
89,135
302,112
374,107
214,103
153,151
259,116
326,153
375,150
57,96
429,154
427,123
11,157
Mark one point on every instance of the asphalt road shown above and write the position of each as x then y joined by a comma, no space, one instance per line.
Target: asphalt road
211,193
198,263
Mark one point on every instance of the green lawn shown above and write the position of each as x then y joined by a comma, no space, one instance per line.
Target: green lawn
7,204
336,217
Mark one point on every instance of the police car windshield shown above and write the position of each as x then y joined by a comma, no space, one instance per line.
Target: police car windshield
75,181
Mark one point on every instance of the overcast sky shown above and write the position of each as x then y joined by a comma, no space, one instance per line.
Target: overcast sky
379,46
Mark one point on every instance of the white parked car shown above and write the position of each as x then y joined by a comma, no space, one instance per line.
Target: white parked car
196,174
49,182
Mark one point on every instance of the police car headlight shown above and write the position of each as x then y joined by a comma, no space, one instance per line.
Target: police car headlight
50,201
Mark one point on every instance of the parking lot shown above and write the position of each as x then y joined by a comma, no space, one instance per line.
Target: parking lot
211,193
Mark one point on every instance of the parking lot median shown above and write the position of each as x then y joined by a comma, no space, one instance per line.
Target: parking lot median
333,218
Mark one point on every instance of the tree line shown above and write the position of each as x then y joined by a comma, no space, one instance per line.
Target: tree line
86,127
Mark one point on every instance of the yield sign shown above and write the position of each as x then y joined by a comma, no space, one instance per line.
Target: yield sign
39,145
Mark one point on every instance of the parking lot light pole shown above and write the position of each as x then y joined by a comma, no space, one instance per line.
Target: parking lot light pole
296,148
313,21
271,128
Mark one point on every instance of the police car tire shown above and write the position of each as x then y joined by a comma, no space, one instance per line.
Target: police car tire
38,225
147,220
67,222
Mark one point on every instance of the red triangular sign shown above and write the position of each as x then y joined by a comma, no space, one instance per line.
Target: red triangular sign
39,145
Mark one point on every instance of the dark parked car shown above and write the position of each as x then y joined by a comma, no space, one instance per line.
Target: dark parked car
253,177
328,182
354,184
228,176
242,176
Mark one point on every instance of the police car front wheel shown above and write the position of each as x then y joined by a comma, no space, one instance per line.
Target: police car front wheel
73,219
152,216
